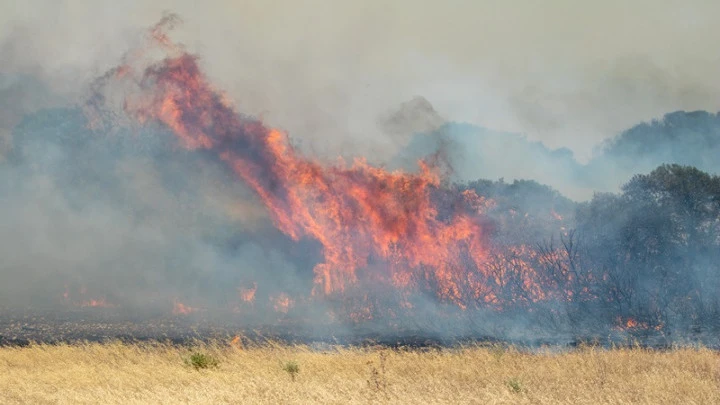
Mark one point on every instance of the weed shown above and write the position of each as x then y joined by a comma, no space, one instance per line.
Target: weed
378,378
292,368
201,361
515,385
602,374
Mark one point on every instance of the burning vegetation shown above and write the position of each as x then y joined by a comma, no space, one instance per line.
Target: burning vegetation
398,249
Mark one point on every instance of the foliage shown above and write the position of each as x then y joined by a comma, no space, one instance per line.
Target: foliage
657,246
515,385
202,361
292,368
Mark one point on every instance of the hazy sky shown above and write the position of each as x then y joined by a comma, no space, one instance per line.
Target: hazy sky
569,73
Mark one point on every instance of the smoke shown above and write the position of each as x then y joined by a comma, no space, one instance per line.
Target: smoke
125,218
128,216
567,74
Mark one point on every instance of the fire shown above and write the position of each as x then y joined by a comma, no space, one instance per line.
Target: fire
633,324
181,309
84,302
358,213
95,303
388,240
248,294
388,229
555,215
282,303
236,342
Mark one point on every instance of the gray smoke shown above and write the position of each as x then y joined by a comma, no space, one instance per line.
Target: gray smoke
567,74
128,217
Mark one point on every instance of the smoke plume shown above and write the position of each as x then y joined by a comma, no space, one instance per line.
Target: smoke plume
140,175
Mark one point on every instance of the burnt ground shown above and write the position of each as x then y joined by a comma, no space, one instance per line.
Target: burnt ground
19,328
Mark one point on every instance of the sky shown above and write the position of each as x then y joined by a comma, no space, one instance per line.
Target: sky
568,73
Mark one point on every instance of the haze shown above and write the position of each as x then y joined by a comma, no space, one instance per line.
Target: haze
567,73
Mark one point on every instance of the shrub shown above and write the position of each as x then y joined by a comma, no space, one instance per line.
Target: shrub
515,385
202,361
292,368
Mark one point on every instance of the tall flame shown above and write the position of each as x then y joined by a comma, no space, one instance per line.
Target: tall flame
357,212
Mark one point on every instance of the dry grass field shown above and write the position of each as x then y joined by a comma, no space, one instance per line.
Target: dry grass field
163,374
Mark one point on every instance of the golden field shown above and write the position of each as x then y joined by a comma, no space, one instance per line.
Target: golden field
120,373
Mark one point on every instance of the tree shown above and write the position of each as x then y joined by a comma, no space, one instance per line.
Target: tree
658,244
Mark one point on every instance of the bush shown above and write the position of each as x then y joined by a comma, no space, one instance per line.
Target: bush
515,385
202,361
292,368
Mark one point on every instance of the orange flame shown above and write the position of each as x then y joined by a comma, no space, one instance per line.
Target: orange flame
181,309
633,324
358,212
236,342
555,215
95,303
84,302
282,303
248,294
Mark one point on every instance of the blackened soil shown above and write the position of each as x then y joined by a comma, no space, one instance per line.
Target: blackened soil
20,328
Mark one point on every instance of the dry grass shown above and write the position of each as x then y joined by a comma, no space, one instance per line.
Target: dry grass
160,374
